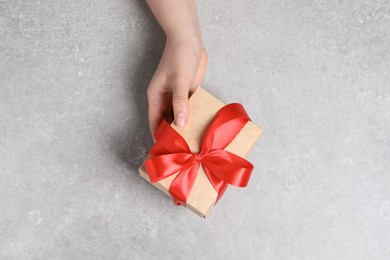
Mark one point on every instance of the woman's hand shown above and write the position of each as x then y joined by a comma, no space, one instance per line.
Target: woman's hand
180,72
182,65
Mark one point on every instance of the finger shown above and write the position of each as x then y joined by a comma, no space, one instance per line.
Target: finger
154,112
155,104
180,86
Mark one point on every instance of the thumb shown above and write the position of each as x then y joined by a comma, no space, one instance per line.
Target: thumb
181,88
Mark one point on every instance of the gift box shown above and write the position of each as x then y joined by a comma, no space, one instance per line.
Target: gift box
195,164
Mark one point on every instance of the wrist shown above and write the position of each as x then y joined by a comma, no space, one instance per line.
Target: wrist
186,37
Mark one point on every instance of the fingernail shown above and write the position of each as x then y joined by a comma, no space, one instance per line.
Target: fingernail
180,120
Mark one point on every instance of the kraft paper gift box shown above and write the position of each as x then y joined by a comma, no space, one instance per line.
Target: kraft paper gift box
202,109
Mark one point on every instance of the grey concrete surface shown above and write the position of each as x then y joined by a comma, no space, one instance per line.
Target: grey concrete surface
73,129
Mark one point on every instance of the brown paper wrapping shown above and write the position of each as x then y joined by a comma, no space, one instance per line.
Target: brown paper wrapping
203,108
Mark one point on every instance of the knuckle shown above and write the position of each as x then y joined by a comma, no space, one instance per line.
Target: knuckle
149,92
180,77
178,100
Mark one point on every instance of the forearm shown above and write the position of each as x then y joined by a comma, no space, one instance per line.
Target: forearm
178,18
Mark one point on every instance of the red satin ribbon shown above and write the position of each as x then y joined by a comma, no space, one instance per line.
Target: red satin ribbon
171,154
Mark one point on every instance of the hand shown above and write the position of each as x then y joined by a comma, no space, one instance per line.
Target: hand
180,71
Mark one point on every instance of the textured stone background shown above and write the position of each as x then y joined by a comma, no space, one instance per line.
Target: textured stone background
73,129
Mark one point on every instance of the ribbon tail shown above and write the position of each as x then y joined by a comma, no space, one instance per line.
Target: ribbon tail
219,185
223,168
221,191
181,186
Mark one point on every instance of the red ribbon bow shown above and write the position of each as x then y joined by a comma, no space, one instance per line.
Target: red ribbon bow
171,154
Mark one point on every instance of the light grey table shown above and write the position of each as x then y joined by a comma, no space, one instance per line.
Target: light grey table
73,129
